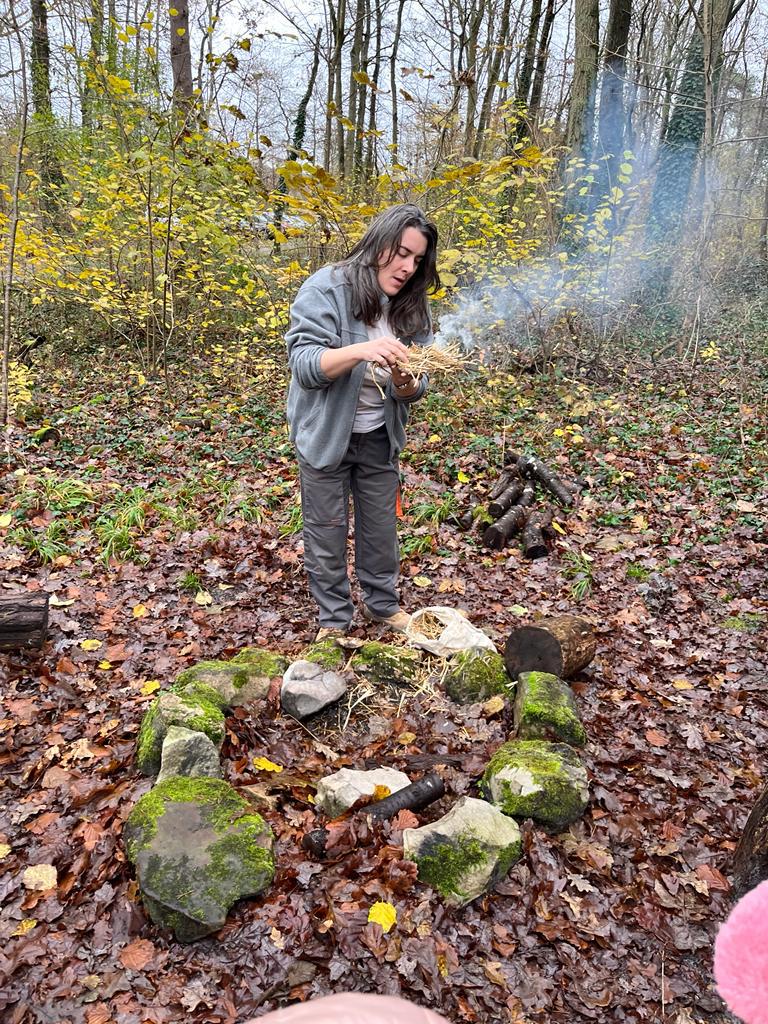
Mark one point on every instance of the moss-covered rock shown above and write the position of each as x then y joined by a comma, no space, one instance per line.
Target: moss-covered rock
172,708
545,709
246,678
326,653
466,852
475,675
386,663
197,847
539,780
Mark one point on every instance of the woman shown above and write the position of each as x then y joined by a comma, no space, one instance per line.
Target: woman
351,325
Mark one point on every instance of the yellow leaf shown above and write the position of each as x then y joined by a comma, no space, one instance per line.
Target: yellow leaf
434,438
448,280
150,686
173,12
6,520
557,527
422,581
493,705
462,477
181,31
90,645
203,597
56,602
24,926
380,793
384,914
682,684
406,737
139,611
40,877
105,664
4,850
265,765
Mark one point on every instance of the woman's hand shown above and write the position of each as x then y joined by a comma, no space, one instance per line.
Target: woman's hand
383,352
335,362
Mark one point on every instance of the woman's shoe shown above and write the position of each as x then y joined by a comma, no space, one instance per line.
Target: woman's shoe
398,621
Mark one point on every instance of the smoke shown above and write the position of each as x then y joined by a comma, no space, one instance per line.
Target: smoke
521,305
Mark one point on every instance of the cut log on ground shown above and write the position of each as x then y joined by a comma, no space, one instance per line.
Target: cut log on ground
750,862
509,497
505,479
563,646
498,533
534,469
23,619
533,543
411,798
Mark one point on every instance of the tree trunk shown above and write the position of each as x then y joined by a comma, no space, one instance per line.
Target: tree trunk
181,56
750,863
611,122
23,620
40,71
502,41
355,88
687,126
581,115
562,646
370,154
393,80
525,76
542,56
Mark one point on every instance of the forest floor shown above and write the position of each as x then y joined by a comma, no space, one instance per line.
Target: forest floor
163,542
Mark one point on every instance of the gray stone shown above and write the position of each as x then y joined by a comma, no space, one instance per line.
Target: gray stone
338,792
244,679
188,753
308,688
190,710
197,847
466,852
539,780
545,709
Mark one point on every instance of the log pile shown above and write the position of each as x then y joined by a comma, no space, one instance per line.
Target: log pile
512,505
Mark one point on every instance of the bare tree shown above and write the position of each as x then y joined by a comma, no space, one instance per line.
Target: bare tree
581,114
611,121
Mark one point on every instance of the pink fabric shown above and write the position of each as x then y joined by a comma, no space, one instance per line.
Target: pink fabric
353,1008
741,957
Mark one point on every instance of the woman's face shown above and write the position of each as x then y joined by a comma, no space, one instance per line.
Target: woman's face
397,267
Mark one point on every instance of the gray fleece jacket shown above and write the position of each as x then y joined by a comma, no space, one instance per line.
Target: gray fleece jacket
321,411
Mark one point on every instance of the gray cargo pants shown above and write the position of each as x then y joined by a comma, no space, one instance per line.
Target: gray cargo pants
372,477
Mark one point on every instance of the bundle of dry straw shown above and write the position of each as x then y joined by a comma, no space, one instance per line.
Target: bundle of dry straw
430,359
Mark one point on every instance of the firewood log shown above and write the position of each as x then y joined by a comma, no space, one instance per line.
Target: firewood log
23,619
535,469
750,862
498,533
533,543
506,499
505,479
563,646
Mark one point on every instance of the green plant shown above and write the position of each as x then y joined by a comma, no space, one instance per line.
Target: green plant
577,567
294,523
416,544
637,572
190,582
433,510
46,544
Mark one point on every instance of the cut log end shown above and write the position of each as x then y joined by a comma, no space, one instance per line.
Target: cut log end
23,620
530,649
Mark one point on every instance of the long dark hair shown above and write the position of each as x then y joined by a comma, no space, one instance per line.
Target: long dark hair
408,311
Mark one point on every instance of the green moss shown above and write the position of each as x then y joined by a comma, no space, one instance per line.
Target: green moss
475,675
147,743
188,685
750,622
445,865
245,848
539,780
223,805
175,708
385,663
260,662
545,708
325,653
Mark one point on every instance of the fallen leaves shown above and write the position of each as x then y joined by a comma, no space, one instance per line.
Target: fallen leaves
40,877
384,914
137,954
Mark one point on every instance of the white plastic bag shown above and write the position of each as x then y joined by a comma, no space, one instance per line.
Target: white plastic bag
458,633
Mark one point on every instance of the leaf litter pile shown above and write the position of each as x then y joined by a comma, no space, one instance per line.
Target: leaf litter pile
168,535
